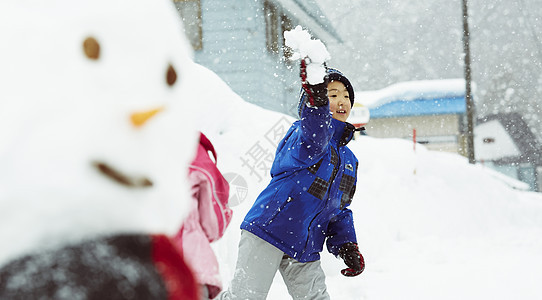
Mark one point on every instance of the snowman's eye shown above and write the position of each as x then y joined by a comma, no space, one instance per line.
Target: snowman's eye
171,75
91,48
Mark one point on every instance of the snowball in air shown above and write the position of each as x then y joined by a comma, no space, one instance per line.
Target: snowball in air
304,46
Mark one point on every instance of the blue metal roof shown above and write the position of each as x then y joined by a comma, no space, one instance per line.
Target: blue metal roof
420,107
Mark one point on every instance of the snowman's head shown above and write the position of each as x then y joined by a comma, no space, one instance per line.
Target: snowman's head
93,136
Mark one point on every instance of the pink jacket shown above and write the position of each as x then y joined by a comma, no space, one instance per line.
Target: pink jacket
208,219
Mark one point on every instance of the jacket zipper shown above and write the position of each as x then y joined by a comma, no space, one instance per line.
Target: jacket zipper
334,174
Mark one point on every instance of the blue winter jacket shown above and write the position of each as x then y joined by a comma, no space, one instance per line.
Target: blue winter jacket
313,182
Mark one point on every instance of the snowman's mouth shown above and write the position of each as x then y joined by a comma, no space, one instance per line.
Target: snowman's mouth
120,178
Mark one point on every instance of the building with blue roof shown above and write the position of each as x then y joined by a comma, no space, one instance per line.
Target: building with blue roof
421,107
434,109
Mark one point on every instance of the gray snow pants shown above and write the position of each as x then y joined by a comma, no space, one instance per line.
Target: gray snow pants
257,263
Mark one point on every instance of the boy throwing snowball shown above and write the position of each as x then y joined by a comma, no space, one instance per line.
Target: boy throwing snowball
306,202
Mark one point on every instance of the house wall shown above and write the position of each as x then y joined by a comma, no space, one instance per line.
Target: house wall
523,172
437,132
234,47
528,174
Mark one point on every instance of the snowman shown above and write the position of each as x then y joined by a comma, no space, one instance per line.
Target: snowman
95,140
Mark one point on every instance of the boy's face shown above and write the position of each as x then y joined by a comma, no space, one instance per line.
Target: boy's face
339,100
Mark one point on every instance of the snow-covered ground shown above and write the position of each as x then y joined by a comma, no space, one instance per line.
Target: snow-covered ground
430,225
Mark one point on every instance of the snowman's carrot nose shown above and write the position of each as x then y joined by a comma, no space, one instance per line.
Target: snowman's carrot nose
140,118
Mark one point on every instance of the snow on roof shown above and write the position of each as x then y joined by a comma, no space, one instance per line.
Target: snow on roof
413,90
493,142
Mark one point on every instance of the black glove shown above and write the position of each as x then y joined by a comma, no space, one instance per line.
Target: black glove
349,252
317,94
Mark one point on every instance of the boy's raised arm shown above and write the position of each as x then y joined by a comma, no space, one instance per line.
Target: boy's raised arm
314,113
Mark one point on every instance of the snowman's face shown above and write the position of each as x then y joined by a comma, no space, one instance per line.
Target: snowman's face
93,138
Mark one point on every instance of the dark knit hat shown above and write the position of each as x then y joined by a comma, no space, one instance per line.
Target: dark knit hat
333,75
336,75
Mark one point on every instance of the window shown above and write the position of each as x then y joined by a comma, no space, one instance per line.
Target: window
286,25
190,12
276,24
271,27
489,140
